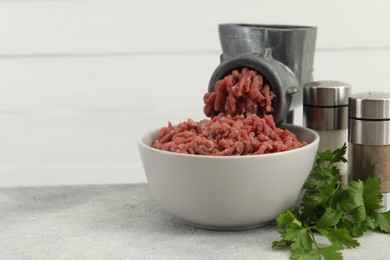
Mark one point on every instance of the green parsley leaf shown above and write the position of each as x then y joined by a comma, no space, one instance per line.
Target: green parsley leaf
372,197
331,253
356,189
381,221
341,237
304,254
337,211
330,218
285,218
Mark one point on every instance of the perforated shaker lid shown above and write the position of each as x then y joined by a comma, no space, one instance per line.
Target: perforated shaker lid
370,105
326,93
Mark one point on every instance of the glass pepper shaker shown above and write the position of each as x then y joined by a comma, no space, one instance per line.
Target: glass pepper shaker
369,139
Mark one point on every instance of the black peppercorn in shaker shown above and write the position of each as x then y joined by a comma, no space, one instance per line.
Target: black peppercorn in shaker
369,139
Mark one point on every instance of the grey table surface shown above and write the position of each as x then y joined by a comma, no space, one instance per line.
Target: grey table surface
124,222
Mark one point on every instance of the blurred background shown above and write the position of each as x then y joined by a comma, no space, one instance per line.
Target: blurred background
80,80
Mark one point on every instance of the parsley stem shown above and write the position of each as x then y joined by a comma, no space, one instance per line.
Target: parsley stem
312,237
344,185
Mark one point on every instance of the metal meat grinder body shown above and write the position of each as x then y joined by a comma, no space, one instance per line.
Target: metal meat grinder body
283,54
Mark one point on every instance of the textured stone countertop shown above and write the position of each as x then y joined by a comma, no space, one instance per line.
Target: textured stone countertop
124,222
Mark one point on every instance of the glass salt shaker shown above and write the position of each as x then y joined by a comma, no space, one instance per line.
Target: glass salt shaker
325,110
369,139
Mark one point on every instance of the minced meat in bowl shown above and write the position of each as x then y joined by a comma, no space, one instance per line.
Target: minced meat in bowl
226,135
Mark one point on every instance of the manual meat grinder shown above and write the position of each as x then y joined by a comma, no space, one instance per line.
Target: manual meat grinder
284,54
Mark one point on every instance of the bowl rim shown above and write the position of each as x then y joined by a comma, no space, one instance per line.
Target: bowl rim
235,157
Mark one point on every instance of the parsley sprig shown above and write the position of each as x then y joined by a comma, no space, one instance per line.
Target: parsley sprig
332,210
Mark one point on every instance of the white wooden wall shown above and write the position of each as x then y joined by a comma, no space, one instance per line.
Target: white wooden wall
81,80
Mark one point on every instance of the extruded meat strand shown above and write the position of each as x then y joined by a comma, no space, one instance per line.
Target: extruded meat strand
243,92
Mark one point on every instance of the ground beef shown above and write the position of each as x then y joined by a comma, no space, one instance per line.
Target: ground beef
227,135
239,93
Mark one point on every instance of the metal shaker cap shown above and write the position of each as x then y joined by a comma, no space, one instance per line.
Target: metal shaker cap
326,93
325,105
369,118
370,105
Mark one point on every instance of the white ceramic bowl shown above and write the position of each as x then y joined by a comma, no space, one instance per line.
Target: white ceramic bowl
228,192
